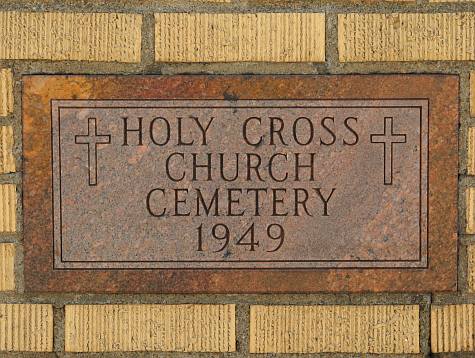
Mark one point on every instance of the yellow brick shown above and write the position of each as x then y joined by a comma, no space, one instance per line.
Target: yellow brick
70,36
470,217
472,94
26,327
7,208
406,37
7,274
271,37
452,328
342,329
471,267
471,151
6,91
7,161
183,328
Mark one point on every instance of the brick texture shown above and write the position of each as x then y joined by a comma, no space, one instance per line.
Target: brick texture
26,327
471,267
7,274
7,208
406,37
6,91
452,328
7,161
470,213
184,328
70,36
343,329
472,94
272,37
471,151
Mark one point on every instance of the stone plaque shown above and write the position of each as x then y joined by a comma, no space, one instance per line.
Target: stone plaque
240,183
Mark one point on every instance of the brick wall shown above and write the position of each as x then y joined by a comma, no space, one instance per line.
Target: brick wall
223,37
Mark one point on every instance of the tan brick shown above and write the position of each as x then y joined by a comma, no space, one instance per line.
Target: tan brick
472,94
7,161
471,151
7,264
342,329
470,213
7,208
271,37
70,36
471,267
25,327
183,328
406,37
6,91
452,328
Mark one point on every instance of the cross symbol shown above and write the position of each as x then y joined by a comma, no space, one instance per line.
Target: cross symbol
388,138
92,139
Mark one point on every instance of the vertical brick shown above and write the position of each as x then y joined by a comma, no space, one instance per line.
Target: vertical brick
471,151
182,328
272,37
471,267
7,161
26,327
6,91
8,207
452,328
7,274
470,212
342,329
406,37
472,94
70,36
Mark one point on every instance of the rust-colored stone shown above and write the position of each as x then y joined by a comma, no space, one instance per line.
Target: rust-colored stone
398,238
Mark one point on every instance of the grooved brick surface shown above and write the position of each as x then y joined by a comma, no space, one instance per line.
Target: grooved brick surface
6,91
70,36
470,211
7,275
452,328
184,328
471,267
7,161
406,37
269,37
472,93
26,327
7,208
471,151
316,329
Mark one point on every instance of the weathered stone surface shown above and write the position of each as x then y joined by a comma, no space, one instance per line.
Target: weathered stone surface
177,328
341,329
258,204
101,216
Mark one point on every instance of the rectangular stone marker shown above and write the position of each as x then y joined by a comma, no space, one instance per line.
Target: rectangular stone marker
240,183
